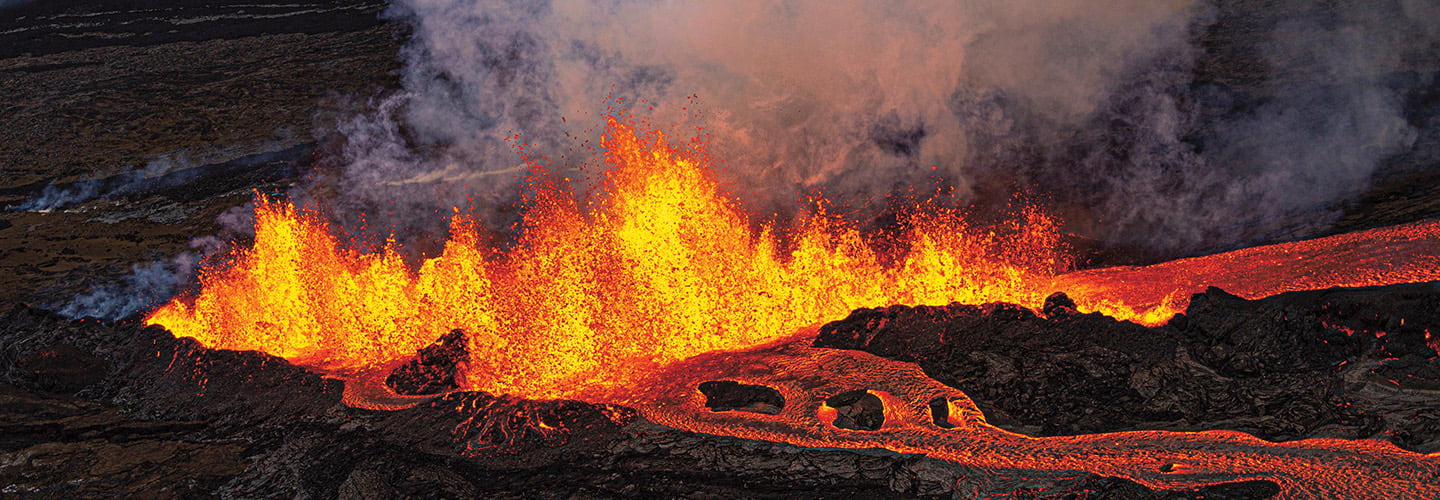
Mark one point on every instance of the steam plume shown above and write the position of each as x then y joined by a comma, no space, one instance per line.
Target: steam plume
856,97
1095,105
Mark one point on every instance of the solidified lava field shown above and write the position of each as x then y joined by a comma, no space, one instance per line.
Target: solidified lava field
201,299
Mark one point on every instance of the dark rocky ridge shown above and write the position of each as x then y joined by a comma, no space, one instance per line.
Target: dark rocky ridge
161,417
1348,363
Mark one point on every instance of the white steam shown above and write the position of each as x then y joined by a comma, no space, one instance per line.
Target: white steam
1111,110
856,96
1091,104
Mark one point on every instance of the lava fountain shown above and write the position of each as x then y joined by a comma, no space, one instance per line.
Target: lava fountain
657,267
660,265
658,282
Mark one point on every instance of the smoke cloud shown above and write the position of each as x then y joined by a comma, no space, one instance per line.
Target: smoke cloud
1101,107
1195,161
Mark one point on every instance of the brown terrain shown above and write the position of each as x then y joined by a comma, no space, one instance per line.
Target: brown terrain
95,103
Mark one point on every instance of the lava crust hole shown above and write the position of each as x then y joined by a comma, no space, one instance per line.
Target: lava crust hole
940,412
728,395
857,410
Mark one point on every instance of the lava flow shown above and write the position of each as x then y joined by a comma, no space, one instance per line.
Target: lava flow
990,458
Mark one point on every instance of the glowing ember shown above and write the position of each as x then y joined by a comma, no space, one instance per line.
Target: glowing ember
661,266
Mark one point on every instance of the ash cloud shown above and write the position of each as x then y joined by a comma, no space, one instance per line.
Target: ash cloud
1101,107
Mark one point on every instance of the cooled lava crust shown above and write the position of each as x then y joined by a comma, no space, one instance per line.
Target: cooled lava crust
89,394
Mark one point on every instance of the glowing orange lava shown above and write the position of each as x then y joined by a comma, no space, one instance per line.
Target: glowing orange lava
990,458
660,266
1408,253
658,283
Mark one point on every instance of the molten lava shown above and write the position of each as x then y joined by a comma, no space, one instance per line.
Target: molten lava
660,266
992,458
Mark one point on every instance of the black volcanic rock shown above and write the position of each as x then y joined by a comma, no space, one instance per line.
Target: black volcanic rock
940,413
508,425
62,369
728,395
857,410
67,447
1351,363
1058,304
433,369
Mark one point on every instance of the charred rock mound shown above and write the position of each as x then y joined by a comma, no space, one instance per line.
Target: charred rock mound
434,368
1348,363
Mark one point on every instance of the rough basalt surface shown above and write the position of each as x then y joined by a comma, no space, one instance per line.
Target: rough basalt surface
1349,363
729,395
434,368
144,414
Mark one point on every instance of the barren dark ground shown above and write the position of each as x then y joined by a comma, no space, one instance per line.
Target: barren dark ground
239,94
90,97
